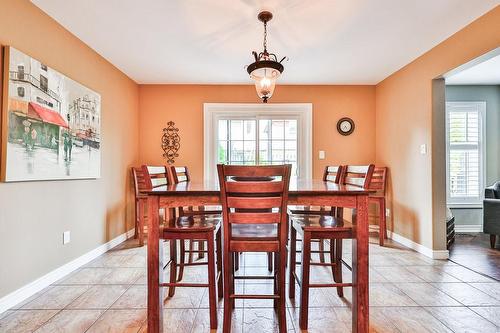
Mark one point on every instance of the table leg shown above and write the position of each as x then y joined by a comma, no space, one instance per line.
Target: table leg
140,225
360,313
304,286
155,294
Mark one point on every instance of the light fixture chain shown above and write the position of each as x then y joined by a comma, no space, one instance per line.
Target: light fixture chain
265,37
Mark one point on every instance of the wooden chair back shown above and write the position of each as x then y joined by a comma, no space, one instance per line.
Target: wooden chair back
179,174
155,176
253,196
332,173
357,175
379,180
139,181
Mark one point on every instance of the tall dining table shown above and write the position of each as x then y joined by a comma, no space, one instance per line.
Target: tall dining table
305,192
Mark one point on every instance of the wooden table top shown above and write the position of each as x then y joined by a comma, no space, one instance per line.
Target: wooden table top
297,187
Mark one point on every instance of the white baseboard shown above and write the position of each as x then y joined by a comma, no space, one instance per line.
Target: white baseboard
468,228
433,254
32,288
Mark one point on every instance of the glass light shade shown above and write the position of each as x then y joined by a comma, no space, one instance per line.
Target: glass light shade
265,81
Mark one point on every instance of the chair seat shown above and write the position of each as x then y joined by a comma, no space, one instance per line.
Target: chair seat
321,223
196,223
254,231
294,210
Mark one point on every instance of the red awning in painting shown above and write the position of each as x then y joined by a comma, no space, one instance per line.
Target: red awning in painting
48,116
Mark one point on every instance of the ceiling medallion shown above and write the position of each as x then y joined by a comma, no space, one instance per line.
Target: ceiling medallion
266,69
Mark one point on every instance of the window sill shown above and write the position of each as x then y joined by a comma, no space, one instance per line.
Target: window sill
466,206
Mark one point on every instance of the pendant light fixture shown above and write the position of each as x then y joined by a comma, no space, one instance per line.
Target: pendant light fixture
266,69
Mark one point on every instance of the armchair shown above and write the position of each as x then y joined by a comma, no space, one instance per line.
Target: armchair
491,212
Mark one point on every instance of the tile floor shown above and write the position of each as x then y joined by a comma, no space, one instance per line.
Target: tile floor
408,293
473,251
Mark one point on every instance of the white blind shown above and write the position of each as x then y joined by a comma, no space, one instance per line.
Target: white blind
465,165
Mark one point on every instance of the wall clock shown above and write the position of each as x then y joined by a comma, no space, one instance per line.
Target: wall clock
345,126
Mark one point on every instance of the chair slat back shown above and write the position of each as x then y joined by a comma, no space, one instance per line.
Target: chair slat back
155,176
332,173
379,180
139,181
254,195
357,175
179,174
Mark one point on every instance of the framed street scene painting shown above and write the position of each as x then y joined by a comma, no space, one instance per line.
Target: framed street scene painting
51,125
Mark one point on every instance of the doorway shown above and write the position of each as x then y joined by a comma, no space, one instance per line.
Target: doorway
472,136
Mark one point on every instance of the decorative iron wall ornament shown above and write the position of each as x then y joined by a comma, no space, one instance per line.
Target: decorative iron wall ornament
170,142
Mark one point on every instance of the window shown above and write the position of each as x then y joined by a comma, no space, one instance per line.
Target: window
20,91
257,142
20,71
256,134
465,153
44,83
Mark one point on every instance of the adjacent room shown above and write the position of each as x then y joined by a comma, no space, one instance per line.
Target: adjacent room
236,166
473,157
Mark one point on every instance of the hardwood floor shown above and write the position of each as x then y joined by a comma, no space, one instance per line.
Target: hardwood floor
408,293
474,252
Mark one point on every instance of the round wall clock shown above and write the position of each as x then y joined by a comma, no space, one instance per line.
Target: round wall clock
345,126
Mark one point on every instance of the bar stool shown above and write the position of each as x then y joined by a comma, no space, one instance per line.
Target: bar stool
332,174
323,227
378,183
202,227
254,220
180,174
159,177
139,186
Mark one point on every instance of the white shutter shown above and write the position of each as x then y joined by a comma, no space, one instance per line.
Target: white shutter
465,156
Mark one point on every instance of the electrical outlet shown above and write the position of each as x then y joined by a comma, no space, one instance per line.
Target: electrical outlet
321,154
66,237
387,212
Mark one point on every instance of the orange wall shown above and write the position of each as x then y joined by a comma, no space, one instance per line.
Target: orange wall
405,120
183,104
34,215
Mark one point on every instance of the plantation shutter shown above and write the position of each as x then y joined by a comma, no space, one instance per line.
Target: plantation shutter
465,152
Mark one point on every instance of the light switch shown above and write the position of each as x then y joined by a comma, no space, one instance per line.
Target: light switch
423,149
66,237
321,154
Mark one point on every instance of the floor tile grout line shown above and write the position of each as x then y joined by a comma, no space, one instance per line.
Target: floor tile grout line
480,315
24,303
71,310
470,269
482,292
432,315
434,288
106,310
48,319
473,286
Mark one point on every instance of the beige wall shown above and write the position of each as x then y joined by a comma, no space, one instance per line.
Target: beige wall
183,104
34,215
405,119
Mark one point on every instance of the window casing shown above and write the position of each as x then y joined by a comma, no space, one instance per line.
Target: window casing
465,142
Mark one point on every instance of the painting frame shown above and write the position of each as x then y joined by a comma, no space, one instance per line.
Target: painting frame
50,124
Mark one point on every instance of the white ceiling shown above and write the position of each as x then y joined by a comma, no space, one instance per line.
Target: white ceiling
210,41
484,73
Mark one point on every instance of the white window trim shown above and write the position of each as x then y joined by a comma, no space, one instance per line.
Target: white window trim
212,112
481,106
